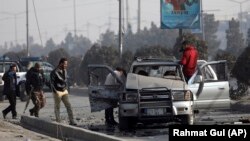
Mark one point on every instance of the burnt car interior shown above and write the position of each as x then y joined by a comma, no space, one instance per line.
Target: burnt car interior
160,71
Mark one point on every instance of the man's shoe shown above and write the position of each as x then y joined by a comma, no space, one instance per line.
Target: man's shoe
4,115
109,123
14,117
72,123
31,112
58,120
36,114
114,123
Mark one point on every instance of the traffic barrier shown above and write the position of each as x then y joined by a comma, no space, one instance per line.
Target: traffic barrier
63,131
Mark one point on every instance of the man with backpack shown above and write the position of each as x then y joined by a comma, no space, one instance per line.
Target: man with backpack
34,86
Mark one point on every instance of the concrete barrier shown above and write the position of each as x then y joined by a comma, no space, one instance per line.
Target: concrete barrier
63,131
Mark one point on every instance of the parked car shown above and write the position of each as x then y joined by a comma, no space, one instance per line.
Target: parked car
156,91
28,62
23,65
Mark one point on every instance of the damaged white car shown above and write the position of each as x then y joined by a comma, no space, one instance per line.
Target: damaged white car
155,91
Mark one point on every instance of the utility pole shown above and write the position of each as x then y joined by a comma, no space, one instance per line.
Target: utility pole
120,27
109,23
139,16
15,30
88,30
127,13
109,20
27,27
15,21
75,17
202,22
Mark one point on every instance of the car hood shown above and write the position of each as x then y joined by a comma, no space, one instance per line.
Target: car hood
135,81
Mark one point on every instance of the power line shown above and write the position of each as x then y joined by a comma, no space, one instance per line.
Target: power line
37,23
4,19
15,20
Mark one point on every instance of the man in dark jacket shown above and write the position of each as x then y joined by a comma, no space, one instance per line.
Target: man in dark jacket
36,79
189,59
10,90
59,86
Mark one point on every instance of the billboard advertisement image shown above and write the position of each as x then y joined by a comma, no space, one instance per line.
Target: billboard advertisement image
180,14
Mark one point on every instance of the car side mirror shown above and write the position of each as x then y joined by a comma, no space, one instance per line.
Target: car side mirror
198,79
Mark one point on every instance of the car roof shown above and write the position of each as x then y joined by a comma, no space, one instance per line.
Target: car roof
31,59
160,61
7,60
154,61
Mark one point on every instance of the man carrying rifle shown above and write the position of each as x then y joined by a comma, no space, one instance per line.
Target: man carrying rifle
35,81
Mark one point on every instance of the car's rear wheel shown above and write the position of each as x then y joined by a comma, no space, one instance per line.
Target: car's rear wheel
187,119
2,97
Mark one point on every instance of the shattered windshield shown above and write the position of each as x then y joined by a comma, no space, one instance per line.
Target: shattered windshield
161,71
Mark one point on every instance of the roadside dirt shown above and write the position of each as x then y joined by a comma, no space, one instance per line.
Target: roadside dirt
242,105
13,132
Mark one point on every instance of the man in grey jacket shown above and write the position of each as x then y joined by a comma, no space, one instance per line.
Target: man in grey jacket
60,90
110,80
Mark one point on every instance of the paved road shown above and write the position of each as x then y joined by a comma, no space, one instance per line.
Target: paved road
86,119
95,121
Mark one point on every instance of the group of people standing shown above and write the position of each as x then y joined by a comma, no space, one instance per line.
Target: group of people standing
35,82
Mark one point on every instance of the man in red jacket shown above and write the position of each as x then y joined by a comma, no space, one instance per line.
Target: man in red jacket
189,59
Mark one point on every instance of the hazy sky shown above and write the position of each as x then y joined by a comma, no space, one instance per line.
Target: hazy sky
56,17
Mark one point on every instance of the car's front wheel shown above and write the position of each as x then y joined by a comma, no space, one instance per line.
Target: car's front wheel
187,119
127,123
123,123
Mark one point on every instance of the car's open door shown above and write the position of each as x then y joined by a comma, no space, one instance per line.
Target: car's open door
102,96
215,93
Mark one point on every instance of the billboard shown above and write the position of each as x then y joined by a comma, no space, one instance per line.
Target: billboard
180,14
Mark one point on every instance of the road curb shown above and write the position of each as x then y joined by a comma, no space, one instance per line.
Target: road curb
63,131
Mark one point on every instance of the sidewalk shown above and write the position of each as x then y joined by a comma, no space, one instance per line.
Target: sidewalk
13,132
